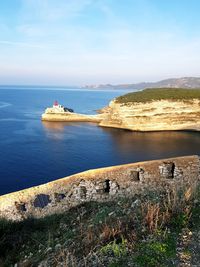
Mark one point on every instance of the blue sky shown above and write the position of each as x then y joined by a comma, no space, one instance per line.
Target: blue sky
98,41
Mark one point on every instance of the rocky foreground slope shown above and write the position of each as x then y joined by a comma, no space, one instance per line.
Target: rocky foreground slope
155,110
153,229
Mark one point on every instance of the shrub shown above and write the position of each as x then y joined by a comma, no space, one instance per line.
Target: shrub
148,95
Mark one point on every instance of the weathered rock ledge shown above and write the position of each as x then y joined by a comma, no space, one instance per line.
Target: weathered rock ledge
160,115
68,116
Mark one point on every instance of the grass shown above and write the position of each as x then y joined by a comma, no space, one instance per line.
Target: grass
124,232
156,252
148,95
118,250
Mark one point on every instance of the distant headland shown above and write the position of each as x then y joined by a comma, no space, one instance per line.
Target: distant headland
185,82
155,109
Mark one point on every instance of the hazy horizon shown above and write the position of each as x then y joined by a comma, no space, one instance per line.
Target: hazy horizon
78,42
83,85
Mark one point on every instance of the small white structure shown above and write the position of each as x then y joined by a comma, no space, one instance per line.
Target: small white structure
57,108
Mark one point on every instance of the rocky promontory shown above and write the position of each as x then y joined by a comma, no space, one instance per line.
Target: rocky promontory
155,110
71,117
60,113
148,110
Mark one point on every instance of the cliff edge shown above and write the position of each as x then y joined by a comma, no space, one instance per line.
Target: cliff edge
155,110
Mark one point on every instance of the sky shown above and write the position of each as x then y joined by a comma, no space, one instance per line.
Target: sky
78,42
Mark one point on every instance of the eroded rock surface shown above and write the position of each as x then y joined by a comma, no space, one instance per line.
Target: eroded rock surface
161,115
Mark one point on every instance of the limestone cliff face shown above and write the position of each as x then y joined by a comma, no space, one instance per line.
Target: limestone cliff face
160,115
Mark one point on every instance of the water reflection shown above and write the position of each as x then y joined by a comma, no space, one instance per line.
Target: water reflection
128,146
132,145
64,126
54,130
53,126
152,145
69,130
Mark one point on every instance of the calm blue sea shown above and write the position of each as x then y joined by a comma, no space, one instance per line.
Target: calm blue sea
33,152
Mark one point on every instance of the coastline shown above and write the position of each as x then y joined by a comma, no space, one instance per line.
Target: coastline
160,115
71,117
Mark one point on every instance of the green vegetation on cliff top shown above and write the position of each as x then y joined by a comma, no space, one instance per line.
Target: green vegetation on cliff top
159,94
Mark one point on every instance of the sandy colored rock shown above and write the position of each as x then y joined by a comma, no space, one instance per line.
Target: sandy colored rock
162,115
68,116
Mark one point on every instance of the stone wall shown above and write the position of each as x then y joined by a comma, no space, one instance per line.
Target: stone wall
100,185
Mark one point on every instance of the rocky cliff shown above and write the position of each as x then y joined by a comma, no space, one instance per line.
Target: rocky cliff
153,110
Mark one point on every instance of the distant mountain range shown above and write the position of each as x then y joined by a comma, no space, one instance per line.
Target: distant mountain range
185,82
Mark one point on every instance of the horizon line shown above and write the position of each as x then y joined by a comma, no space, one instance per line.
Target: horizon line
93,84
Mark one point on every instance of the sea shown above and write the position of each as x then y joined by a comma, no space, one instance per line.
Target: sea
33,152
